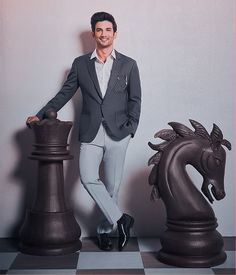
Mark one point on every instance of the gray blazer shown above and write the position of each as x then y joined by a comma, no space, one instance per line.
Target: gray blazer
118,111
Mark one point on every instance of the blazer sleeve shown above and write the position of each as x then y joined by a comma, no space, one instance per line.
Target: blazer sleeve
134,98
65,94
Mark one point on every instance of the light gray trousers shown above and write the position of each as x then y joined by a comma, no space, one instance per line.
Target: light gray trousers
105,194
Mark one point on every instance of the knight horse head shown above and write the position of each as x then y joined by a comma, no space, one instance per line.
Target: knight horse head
184,146
212,164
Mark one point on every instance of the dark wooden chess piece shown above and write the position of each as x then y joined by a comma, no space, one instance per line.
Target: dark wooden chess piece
50,227
191,238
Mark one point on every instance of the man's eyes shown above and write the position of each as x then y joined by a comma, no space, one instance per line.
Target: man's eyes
108,30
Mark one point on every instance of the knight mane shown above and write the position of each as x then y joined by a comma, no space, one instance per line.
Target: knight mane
179,131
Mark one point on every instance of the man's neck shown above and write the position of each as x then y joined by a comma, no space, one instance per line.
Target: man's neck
104,53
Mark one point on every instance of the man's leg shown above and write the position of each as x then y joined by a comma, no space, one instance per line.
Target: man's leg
90,158
114,158
89,162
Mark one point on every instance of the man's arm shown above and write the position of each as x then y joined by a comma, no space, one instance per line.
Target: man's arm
31,119
65,94
62,97
134,99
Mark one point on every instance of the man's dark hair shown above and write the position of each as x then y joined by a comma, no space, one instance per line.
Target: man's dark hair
102,16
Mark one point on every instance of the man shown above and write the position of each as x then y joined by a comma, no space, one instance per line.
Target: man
110,86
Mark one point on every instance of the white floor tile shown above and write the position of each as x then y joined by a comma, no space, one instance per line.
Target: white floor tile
230,261
149,244
110,260
6,259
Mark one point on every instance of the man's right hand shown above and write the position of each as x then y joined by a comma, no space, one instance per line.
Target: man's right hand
31,119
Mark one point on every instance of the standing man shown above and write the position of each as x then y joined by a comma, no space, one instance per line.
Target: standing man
110,86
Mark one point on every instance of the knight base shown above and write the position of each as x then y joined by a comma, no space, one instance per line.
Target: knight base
192,244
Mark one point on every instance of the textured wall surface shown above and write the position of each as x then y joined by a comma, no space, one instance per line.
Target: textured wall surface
185,52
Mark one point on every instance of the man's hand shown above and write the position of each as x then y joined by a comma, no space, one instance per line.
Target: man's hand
31,119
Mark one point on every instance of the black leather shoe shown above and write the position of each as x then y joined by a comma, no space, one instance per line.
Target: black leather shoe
124,225
105,242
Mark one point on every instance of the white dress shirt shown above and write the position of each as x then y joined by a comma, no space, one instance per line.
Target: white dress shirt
103,70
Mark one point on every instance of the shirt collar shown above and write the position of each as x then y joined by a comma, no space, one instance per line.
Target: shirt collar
94,54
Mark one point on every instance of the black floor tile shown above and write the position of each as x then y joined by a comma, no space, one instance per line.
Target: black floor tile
90,245
132,245
8,245
24,261
224,271
229,243
150,260
110,271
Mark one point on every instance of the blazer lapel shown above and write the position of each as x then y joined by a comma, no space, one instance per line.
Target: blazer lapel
93,75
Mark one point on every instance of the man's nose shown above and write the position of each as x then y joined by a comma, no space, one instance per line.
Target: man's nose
104,33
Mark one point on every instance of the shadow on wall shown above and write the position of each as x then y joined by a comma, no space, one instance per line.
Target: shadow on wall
86,41
24,174
86,221
72,177
150,216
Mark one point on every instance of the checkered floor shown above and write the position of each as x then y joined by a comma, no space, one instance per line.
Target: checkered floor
139,257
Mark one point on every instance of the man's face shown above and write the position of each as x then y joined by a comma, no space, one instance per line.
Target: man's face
104,34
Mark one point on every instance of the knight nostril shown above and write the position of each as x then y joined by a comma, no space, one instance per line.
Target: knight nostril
218,193
221,195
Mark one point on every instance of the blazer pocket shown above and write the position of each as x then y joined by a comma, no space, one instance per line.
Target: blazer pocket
121,83
121,119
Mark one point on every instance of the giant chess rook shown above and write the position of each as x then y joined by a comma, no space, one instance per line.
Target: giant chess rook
50,227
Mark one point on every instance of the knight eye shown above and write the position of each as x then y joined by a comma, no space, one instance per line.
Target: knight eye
218,162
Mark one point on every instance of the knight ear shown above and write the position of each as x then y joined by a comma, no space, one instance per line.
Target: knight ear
216,136
226,143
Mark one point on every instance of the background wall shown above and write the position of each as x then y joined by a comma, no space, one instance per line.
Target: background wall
185,52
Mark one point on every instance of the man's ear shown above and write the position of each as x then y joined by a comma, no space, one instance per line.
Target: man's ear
92,33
